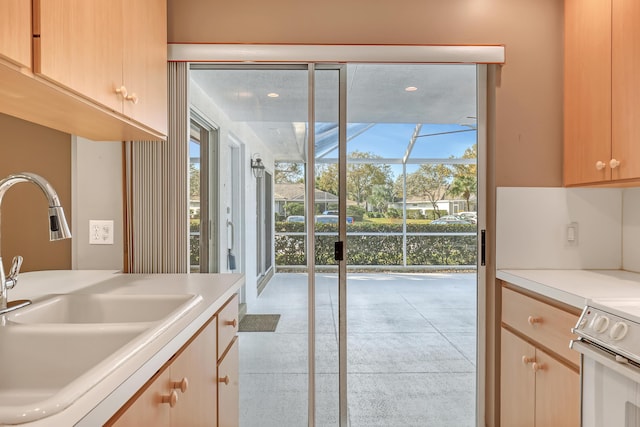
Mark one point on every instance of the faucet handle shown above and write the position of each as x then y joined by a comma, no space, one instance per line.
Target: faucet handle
12,278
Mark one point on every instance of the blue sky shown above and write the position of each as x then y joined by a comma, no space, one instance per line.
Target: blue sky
390,140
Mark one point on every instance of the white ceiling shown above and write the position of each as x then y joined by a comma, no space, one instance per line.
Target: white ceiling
446,94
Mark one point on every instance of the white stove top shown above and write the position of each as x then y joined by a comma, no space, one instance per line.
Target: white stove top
614,324
627,308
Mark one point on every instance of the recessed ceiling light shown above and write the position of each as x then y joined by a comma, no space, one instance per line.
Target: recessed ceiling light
273,95
410,89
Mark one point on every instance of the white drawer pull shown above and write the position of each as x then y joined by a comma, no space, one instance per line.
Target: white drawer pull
224,379
233,323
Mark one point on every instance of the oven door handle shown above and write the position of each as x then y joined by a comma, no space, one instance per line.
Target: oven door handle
606,359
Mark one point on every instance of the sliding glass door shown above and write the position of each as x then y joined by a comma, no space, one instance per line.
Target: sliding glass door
365,239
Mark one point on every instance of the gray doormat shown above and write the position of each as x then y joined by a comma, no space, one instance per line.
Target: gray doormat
259,323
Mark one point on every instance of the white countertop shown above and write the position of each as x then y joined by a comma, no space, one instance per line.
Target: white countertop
98,404
576,287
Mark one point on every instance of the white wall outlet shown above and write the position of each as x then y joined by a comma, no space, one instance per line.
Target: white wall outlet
100,232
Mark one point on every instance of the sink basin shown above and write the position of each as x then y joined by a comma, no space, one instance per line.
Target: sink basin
57,349
101,308
40,365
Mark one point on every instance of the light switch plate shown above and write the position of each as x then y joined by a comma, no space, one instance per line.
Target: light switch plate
572,234
100,232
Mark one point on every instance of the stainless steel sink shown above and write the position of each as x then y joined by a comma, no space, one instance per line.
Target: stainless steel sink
101,308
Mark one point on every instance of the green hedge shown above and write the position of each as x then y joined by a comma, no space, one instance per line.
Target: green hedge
381,249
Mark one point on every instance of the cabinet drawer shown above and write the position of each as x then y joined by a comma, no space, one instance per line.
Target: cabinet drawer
543,323
227,324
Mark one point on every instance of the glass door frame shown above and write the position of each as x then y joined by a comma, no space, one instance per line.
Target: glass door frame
482,87
483,100
208,140
342,238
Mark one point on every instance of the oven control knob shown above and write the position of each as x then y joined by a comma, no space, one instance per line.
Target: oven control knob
618,331
600,324
582,323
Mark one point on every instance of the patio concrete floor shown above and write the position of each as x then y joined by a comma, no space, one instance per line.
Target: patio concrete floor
411,343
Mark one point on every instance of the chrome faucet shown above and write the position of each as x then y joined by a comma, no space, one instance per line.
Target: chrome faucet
58,229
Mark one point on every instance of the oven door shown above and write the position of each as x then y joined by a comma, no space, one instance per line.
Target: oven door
610,389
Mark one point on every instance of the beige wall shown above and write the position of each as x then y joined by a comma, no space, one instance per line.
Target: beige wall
525,133
97,194
27,147
529,94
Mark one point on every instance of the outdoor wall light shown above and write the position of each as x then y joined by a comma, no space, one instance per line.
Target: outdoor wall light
257,167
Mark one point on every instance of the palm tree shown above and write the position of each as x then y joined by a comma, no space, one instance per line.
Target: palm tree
464,186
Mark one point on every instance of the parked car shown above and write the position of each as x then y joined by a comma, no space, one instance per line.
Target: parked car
295,218
327,219
450,219
469,216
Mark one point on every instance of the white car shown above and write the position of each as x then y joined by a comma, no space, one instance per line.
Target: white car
469,216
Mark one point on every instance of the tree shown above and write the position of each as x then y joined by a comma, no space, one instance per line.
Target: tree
327,178
361,177
288,173
380,197
431,182
398,188
465,181
194,182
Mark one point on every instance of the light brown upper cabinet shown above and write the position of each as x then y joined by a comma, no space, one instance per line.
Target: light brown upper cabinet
145,61
112,52
91,68
601,92
15,31
625,94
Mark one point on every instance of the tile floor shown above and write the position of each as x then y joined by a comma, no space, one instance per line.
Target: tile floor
410,343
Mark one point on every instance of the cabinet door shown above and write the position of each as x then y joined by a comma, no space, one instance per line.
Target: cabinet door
228,388
626,88
557,393
147,409
587,91
145,62
15,31
197,365
517,382
80,47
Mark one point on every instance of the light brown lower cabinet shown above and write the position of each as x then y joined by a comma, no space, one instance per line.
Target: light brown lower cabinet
194,388
537,390
228,388
539,374
148,407
182,393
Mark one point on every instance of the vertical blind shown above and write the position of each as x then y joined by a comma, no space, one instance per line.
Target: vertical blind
156,190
